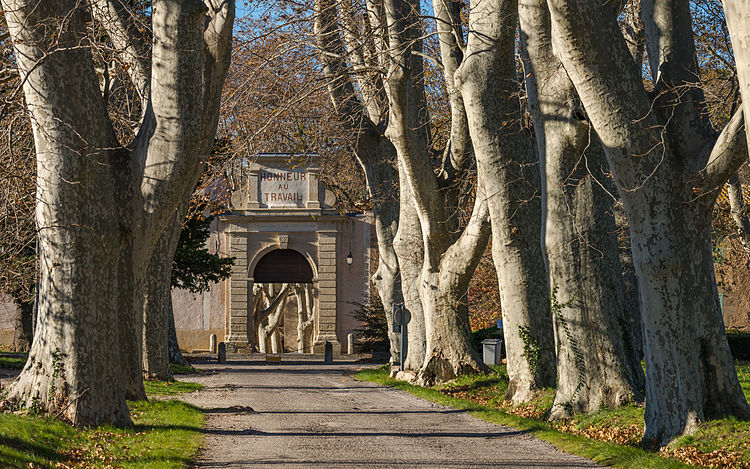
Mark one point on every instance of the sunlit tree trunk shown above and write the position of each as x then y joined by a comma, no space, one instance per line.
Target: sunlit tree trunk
506,158
305,316
450,257
668,165
269,315
93,257
73,365
596,361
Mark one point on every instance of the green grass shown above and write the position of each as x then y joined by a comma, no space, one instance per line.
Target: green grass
608,454
169,388
178,369
167,434
727,433
743,372
12,361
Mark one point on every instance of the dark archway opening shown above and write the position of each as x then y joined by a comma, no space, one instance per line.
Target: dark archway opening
283,266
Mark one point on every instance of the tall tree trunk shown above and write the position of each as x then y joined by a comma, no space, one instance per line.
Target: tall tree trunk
157,303
632,303
449,351
596,362
305,316
89,338
130,293
378,160
507,160
737,13
73,365
23,330
175,354
375,154
668,165
444,272
190,60
409,248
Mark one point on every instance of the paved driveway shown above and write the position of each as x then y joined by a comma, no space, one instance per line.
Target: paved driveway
308,414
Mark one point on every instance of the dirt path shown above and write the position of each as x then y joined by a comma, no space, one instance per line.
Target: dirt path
308,414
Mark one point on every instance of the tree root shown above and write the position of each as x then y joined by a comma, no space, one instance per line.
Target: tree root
438,369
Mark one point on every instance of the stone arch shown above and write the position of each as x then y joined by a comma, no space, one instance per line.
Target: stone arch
261,253
278,264
283,266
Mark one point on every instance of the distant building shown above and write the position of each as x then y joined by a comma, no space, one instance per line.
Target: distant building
281,228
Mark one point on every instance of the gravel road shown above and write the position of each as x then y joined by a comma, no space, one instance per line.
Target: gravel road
301,414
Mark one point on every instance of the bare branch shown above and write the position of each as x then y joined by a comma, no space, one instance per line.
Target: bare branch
115,18
739,212
727,155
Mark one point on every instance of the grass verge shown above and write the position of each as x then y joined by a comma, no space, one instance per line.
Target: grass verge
166,434
609,437
178,369
170,388
12,361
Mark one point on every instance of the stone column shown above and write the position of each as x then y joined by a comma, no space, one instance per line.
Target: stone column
327,298
236,338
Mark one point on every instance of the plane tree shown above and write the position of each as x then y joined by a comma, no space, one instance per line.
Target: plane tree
102,203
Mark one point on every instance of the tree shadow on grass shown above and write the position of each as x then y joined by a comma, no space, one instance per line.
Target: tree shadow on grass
32,450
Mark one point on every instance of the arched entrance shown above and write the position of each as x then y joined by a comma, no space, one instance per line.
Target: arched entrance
283,266
283,305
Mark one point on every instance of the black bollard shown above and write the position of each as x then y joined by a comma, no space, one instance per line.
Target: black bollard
222,352
328,352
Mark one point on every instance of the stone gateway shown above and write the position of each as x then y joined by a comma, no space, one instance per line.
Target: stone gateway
291,287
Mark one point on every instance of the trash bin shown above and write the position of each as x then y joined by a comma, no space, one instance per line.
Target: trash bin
492,351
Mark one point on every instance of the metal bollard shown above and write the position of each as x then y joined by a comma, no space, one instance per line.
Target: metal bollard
222,352
328,352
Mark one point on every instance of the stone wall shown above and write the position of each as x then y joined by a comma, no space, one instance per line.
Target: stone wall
733,279
7,321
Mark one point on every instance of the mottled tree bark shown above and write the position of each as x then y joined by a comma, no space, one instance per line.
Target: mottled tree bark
303,292
507,160
157,302
408,247
175,354
596,361
23,330
73,365
374,153
737,13
191,54
449,257
93,257
668,165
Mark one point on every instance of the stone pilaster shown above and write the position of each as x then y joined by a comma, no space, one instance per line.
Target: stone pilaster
327,298
252,188
237,338
313,184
